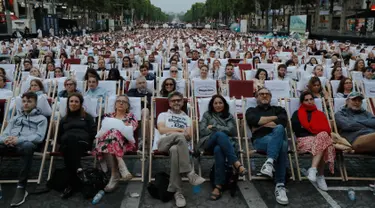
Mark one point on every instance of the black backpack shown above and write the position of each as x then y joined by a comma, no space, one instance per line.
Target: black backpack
93,180
231,179
158,188
59,180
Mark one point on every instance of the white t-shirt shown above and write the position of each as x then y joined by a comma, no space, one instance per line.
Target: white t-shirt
173,120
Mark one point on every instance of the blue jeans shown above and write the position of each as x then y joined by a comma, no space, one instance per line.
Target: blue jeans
275,145
223,149
26,149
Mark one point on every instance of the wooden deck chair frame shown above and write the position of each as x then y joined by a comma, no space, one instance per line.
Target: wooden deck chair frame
197,114
154,115
53,141
250,153
143,126
345,155
294,145
39,154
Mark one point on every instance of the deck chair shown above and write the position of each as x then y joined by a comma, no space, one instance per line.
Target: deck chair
111,87
241,88
279,89
247,103
132,84
204,88
136,109
292,106
201,106
160,105
336,104
93,110
39,152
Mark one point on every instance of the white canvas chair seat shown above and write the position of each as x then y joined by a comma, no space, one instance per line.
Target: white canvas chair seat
204,88
357,76
110,86
249,74
270,68
291,72
369,90
335,85
78,67
88,105
279,89
42,104
339,103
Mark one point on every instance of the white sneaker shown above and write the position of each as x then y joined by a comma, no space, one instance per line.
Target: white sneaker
280,194
195,179
321,182
180,199
311,174
267,169
112,184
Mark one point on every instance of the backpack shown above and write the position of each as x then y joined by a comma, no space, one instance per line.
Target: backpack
59,180
158,188
231,179
93,180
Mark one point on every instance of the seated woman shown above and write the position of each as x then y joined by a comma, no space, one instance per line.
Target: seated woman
217,130
259,79
336,73
113,145
91,73
316,88
58,72
75,135
318,71
345,88
70,87
168,86
313,135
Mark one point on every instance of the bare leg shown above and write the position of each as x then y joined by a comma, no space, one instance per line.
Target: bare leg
365,144
316,160
321,168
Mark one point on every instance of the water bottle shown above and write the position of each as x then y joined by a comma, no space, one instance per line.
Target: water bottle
1,193
351,194
196,189
98,197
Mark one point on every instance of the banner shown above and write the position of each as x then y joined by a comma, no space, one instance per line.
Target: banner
204,88
298,23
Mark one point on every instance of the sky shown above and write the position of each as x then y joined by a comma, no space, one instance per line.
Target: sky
176,6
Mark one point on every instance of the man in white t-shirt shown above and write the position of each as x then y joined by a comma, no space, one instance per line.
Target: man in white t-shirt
176,130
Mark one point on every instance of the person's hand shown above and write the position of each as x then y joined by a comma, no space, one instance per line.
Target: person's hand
10,141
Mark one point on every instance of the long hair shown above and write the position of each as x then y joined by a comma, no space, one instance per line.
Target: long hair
341,88
211,110
356,65
93,72
114,74
80,97
304,94
163,91
39,83
333,73
130,62
312,81
259,71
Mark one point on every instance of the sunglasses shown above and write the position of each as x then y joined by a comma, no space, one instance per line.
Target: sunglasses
122,101
173,71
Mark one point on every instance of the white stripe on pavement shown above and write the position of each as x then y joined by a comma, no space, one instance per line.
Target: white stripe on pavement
251,195
345,188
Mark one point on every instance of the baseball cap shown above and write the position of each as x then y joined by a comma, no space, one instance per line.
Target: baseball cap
353,95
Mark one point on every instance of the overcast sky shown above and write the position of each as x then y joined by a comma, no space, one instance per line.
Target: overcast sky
175,5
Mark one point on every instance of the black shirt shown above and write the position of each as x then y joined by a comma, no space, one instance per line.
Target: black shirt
253,116
298,129
135,93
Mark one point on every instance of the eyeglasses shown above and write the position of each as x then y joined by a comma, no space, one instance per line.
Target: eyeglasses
69,84
348,83
122,102
176,100
173,71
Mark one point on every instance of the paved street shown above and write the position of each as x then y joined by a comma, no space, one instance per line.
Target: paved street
255,194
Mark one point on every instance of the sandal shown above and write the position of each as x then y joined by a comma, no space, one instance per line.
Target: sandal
215,197
241,173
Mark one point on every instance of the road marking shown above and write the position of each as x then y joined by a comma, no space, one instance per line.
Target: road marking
345,188
251,195
133,202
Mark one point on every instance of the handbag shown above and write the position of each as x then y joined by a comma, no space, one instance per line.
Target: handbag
93,180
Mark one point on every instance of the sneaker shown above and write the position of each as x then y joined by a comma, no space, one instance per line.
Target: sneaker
280,194
180,199
19,197
321,182
267,169
112,184
311,174
195,179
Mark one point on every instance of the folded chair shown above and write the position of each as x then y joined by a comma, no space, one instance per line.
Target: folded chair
336,104
292,106
38,152
160,105
247,103
136,108
93,110
201,106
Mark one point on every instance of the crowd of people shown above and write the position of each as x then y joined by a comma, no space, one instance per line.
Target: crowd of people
38,73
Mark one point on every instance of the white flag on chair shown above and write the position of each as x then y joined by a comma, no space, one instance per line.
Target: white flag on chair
204,88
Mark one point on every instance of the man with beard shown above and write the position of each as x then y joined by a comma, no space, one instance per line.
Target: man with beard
281,73
267,124
176,130
229,74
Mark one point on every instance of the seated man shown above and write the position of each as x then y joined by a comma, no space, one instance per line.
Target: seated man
229,74
356,124
267,124
175,129
22,135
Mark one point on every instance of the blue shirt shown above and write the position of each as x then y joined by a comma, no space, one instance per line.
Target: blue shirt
98,92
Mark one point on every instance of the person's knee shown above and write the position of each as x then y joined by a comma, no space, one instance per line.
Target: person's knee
221,135
323,134
27,147
284,147
173,149
279,129
181,139
217,150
